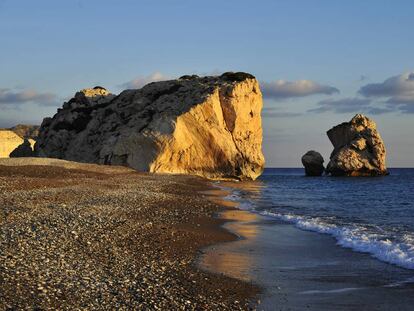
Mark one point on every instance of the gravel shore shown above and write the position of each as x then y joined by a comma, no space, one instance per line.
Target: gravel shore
87,237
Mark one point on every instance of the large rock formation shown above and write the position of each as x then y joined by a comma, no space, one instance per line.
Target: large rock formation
208,126
358,149
313,163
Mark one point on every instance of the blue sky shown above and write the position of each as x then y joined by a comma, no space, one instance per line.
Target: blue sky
319,62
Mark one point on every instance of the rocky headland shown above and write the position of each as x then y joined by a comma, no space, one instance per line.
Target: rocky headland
206,126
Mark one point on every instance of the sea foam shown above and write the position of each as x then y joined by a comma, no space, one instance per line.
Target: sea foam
399,252
357,238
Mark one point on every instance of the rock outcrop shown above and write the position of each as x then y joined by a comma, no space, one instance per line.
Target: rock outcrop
23,150
358,149
313,163
11,138
207,126
9,141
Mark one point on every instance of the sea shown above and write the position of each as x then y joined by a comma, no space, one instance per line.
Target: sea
373,215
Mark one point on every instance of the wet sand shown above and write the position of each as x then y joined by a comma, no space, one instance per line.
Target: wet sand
82,236
302,270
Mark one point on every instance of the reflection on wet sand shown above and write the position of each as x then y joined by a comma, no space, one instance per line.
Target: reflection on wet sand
238,222
233,261
302,270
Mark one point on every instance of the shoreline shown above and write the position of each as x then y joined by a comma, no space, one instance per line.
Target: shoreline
82,235
299,269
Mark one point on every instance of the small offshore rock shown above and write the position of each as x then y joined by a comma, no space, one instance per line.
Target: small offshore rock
313,163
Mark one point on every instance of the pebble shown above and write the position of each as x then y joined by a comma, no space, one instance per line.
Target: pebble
81,240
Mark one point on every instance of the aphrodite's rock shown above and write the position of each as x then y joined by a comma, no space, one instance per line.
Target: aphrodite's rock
313,163
358,149
23,150
208,126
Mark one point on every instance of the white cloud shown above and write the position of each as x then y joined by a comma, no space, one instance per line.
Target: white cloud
281,89
140,81
397,89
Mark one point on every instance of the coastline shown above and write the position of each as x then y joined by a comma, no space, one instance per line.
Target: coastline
299,269
82,236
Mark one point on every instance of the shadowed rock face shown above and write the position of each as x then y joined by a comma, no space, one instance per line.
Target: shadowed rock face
313,163
358,149
23,150
208,126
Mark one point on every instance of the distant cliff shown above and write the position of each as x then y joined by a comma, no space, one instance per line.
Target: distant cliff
207,126
26,131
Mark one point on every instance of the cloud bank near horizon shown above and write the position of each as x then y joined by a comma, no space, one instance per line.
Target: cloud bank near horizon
281,89
11,97
395,94
396,91
349,105
399,89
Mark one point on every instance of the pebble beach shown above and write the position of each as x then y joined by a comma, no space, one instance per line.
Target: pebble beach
82,236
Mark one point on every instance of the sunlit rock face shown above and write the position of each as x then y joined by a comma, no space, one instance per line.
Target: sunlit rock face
358,149
313,163
12,138
207,126
8,142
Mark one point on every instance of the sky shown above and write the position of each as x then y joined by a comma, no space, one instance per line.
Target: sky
319,62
